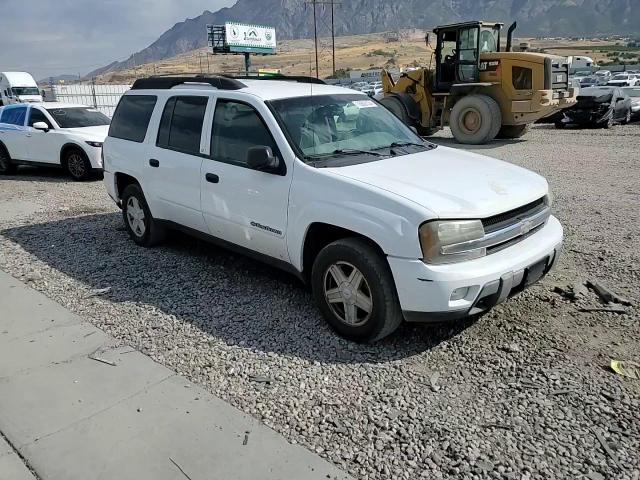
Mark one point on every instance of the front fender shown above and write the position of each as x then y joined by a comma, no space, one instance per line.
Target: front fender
383,217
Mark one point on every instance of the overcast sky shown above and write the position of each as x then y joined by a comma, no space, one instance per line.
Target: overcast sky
52,37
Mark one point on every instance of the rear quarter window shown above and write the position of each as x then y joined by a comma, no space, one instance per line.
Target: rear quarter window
131,118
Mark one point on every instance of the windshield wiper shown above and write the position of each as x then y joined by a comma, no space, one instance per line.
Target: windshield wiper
344,151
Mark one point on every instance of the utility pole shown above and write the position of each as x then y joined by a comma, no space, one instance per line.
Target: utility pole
315,37
332,3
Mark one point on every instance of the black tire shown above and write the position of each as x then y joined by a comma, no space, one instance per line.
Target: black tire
7,167
377,287
77,165
513,131
151,233
608,123
395,106
475,119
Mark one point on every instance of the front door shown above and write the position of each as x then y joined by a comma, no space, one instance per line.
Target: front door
173,164
241,205
43,147
467,65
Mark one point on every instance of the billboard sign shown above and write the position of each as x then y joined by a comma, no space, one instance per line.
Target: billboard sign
244,38
366,75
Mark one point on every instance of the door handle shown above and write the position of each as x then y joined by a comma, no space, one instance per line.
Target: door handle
29,135
154,163
212,178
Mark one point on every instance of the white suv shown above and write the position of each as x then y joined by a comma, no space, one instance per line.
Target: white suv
52,134
328,184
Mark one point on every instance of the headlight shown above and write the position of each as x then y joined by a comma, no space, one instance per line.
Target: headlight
440,239
95,144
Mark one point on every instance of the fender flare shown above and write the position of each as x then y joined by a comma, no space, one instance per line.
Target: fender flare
69,145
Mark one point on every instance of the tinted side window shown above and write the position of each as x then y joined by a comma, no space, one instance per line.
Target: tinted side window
131,118
236,128
165,123
37,116
14,115
181,124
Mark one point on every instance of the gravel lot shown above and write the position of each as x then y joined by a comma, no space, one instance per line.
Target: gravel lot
522,393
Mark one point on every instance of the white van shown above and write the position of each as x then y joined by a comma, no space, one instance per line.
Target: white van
18,87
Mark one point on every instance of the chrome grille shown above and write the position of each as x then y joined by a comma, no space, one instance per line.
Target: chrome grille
506,229
503,220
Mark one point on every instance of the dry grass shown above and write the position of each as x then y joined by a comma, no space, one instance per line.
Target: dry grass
295,57
357,52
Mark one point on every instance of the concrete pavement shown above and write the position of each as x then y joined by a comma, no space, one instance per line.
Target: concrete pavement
122,416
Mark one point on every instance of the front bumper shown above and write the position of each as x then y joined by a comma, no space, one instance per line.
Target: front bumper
587,116
95,157
425,290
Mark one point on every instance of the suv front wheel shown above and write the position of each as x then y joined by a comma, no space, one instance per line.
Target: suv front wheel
353,286
142,227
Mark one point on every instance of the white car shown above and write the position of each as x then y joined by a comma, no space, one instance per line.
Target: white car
383,225
634,95
48,134
623,80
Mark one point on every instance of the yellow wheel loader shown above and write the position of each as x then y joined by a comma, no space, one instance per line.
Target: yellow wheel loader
479,90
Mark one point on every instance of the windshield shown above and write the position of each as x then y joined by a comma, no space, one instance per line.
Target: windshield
78,117
621,77
489,39
19,91
341,125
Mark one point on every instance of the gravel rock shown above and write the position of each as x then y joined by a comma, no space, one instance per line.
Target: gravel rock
520,390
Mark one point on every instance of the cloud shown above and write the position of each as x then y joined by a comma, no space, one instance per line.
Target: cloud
51,37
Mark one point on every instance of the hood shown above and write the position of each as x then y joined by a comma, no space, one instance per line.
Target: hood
452,183
97,134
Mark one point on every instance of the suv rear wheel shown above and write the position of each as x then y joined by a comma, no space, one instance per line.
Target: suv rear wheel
354,288
142,227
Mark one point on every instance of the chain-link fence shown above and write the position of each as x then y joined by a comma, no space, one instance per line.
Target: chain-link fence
102,97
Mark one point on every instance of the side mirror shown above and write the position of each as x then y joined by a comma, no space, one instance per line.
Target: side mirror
41,126
262,158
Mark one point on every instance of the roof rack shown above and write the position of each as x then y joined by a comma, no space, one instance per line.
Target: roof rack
277,76
167,82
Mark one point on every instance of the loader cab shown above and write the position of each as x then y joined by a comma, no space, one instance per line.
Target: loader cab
458,51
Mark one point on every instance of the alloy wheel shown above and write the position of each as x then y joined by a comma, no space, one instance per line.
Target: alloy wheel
348,294
76,166
136,217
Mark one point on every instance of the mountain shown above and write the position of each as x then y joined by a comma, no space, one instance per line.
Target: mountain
292,19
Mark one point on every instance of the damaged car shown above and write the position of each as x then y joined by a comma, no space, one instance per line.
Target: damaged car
598,107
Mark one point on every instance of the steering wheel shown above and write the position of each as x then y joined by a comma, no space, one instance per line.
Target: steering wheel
450,58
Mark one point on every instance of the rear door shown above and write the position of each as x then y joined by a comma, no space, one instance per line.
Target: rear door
241,205
172,170
13,132
42,147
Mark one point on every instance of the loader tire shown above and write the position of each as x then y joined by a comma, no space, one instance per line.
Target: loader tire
475,119
395,106
513,131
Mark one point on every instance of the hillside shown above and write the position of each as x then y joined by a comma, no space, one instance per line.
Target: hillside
292,18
